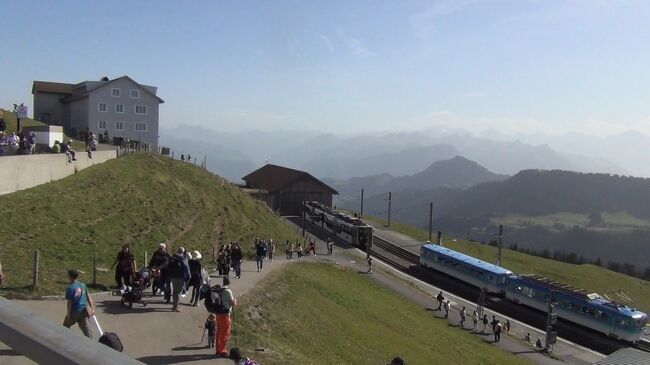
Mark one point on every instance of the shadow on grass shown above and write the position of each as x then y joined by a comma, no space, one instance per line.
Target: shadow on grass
175,359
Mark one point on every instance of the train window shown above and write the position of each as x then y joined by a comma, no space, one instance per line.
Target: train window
527,291
640,323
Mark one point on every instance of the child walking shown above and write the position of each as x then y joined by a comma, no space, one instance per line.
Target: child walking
211,326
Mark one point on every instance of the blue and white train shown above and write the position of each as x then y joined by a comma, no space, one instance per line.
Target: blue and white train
613,319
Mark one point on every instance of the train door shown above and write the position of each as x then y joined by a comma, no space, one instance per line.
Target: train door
614,323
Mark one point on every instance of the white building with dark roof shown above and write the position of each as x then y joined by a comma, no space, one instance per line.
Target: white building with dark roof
121,107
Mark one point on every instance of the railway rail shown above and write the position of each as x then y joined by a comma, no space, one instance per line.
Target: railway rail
643,345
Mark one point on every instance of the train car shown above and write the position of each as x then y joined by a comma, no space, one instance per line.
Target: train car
350,229
589,310
466,268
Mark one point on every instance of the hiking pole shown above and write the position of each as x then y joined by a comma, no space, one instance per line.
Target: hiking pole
202,337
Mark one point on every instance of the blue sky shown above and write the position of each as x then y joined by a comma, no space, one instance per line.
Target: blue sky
349,66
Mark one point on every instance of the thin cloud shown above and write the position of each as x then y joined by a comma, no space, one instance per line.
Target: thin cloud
327,42
355,45
422,23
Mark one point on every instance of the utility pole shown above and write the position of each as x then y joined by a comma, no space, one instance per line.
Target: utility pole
303,217
551,320
500,239
361,211
430,220
390,196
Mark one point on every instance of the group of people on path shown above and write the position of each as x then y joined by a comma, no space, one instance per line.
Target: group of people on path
496,326
308,249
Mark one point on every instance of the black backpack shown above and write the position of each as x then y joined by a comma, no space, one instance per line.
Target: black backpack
111,340
214,301
174,267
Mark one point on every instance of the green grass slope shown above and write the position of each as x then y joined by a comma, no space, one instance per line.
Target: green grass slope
10,120
323,314
589,277
141,200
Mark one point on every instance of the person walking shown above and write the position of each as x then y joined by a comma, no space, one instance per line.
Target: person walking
179,273
224,320
221,261
493,323
463,312
287,250
124,267
485,323
447,305
260,254
158,267
330,246
236,256
497,332
270,248
369,265
80,305
475,320
440,298
507,326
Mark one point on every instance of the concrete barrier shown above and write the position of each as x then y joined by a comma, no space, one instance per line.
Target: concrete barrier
47,343
27,171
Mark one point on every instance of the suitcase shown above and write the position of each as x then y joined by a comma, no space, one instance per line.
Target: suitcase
109,339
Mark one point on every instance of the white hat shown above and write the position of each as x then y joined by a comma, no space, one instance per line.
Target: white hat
163,245
196,255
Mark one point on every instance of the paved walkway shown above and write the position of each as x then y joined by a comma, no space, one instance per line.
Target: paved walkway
151,334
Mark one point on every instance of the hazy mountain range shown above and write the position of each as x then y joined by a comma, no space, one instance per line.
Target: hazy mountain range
341,157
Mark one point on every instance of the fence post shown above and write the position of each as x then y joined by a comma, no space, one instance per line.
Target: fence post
144,262
35,269
94,268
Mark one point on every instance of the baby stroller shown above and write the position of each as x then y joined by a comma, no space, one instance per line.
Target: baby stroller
146,277
134,294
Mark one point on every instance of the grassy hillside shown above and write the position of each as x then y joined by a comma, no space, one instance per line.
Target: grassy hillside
288,316
141,200
589,277
10,119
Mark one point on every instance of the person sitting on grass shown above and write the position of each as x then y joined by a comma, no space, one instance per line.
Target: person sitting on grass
236,356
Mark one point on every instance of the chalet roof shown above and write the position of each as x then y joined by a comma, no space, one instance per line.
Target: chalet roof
52,87
63,88
273,178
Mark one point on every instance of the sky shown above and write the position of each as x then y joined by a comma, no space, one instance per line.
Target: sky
516,66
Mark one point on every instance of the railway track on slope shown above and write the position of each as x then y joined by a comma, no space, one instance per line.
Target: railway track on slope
381,248
643,345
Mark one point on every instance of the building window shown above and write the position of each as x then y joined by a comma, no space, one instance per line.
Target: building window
135,94
101,124
119,108
140,127
119,126
102,107
115,93
140,109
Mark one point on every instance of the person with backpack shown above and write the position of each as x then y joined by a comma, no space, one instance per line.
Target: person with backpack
260,254
221,302
497,332
179,273
493,323
236,256
80,304
270,248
